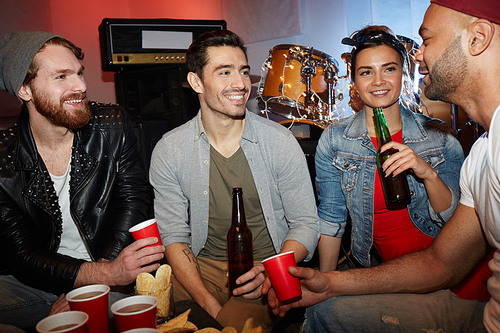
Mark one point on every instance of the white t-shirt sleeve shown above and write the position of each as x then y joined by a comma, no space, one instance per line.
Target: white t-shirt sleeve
494,154
465,192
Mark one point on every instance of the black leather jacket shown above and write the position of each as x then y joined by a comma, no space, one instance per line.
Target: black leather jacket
109,193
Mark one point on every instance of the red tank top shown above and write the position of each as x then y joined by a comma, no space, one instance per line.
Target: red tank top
395,235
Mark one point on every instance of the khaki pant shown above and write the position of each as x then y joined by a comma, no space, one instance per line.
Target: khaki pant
235,310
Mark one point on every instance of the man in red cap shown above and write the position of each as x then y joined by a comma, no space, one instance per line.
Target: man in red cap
460,60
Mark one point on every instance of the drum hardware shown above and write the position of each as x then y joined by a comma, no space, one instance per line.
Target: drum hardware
346,56
299,83
322,124
331,80
307,72
411,46
355,101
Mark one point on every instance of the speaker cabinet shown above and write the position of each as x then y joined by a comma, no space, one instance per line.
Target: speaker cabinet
157,93
148,133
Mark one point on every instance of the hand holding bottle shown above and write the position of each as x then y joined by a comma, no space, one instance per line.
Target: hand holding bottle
250,283
406,159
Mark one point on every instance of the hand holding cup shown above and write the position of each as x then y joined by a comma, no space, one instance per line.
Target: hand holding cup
286,286
146,229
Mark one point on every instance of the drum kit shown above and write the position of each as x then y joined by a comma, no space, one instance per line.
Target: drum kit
299,83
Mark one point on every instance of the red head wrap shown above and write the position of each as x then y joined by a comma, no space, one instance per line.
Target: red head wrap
486,9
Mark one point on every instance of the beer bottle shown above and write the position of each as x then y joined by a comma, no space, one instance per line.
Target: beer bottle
239,242
396,190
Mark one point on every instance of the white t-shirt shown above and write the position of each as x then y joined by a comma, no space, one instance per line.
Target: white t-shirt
480,188
71,241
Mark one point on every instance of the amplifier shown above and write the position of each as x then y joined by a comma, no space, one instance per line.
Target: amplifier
134,42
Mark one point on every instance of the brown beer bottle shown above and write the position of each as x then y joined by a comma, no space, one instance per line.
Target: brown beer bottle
239,242
396,190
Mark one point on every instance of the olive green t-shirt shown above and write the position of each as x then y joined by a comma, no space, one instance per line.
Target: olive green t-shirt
226,173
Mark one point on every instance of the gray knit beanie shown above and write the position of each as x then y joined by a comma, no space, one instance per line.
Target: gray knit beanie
17,50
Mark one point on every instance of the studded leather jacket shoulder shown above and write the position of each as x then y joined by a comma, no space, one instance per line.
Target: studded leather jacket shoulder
109,193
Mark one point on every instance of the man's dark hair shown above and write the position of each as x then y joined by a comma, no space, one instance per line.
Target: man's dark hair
33,69
196,55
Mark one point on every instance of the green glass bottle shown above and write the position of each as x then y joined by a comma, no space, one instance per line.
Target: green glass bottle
396,190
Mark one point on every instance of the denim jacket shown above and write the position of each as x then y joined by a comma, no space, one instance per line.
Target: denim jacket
345,176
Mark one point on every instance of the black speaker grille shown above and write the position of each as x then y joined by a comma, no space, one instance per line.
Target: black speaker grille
157,93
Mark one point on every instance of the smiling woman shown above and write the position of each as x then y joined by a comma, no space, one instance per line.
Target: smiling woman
378,76
426,154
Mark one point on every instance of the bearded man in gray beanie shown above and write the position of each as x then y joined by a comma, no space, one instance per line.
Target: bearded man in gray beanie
71,184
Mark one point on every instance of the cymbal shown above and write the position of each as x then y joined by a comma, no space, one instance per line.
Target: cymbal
253,79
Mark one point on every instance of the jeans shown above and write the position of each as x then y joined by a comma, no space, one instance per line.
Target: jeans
440,311
24,307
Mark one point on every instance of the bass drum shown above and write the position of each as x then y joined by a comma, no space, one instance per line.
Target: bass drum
299,83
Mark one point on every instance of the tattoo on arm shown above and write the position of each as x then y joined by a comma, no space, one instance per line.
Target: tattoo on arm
190,256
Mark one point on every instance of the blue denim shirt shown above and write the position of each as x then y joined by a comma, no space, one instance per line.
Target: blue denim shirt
345,176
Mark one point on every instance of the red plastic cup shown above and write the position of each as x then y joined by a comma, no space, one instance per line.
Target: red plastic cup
146,229
93,300
135,312
285,285
65,322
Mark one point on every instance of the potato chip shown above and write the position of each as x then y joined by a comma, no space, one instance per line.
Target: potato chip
166,328
229,329
179,330
209,330
163,275
190,325
177,322
144,283
163,306
248,327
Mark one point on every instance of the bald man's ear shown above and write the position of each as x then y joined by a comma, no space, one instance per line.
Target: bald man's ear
25,93
481,33
195,82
